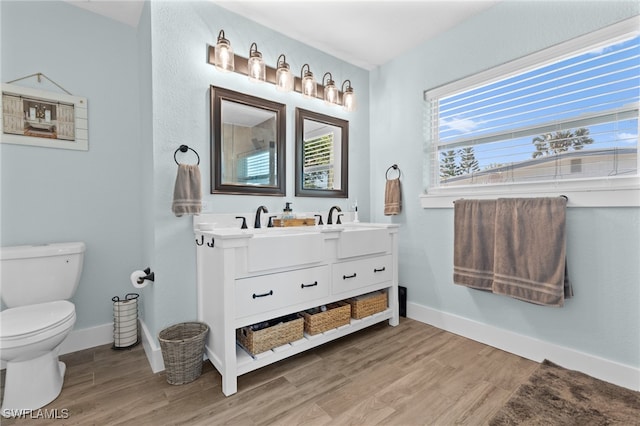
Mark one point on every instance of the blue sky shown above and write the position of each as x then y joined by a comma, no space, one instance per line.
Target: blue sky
586,85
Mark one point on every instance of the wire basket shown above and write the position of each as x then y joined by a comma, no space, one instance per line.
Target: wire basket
125,321
182,348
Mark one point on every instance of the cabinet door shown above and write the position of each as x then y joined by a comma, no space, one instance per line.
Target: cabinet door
361,273
266,293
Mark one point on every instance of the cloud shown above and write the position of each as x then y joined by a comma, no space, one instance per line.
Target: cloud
627,138
459,124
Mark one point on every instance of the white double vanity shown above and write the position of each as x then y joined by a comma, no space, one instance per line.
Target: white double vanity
247,276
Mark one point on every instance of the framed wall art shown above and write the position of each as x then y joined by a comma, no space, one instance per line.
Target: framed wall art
41,118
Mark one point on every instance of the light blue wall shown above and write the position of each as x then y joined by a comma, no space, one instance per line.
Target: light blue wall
55,195
147,90
603,245
146,166
181,115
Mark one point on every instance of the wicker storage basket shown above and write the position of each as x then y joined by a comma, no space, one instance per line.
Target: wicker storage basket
182,348
368,304
258,341
337,314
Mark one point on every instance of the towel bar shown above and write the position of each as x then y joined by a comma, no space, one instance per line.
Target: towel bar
394,167
563,196
184,148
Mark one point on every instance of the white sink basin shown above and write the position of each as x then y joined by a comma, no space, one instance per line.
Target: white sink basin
284,247
363,240
284,230
272,248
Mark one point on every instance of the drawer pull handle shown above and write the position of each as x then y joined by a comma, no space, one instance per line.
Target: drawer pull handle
379,270
344,277
315,283
263,295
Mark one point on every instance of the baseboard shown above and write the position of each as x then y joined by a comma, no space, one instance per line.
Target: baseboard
528,347
151,349
103,334
86,338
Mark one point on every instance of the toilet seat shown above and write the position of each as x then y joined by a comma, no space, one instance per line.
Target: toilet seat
24,322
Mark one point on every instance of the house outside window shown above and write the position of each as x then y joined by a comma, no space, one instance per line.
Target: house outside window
566,115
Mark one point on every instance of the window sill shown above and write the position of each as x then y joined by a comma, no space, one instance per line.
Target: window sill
613,192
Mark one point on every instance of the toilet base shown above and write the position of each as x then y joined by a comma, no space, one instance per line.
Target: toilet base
32,384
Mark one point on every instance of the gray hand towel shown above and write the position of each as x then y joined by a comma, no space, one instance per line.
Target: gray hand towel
474,232
392,197
530,250
187,194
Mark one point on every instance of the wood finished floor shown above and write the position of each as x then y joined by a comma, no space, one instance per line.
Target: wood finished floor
412,374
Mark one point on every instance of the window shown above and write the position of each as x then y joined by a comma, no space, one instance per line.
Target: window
318,162
256,168
568,113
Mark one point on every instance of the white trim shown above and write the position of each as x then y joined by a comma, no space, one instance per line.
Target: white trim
86,338
618,192
151,349
595,192
528,347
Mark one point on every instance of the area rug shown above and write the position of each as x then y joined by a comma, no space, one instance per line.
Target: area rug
556,396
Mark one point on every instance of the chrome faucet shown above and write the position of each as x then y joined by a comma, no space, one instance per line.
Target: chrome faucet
261,209
329,217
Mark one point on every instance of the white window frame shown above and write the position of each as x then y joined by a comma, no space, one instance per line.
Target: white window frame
615,191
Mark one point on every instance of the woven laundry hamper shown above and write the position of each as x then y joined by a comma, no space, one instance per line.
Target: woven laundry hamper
182,348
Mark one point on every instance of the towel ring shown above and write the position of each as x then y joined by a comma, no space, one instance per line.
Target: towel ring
394,167
185,148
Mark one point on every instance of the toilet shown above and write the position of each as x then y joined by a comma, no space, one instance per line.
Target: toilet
35,285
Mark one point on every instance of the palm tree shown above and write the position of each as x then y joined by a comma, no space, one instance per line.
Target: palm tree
561,141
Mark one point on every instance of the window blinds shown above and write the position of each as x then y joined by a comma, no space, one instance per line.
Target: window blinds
572,118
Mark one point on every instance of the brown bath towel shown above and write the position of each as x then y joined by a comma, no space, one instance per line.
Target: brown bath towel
474,229
530,250
187,194
392,197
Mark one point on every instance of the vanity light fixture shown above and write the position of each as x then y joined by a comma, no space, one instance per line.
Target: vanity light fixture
224,54
221,55
330,90
348,97
256,68
308,87
284,76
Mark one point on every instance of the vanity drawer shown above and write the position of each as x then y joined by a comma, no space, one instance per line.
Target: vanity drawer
361,273
265,293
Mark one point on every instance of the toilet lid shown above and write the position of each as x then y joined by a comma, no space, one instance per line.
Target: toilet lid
32,318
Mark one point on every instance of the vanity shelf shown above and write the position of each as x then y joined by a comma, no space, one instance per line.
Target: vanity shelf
247,363
247,278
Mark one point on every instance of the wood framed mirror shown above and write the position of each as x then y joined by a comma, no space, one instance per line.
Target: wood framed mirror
322,155
248,142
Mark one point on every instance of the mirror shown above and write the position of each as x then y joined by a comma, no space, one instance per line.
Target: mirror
248,144
322,155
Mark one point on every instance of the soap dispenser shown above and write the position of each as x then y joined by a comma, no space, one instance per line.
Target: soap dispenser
287,213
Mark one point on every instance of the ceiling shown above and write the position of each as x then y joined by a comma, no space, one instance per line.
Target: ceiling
364,33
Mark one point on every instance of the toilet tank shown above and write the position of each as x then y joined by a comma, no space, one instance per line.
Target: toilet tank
40,273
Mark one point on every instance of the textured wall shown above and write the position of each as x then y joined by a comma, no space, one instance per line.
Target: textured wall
55,195
181,114
603,244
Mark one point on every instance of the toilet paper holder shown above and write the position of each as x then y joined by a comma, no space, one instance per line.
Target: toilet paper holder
151,276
